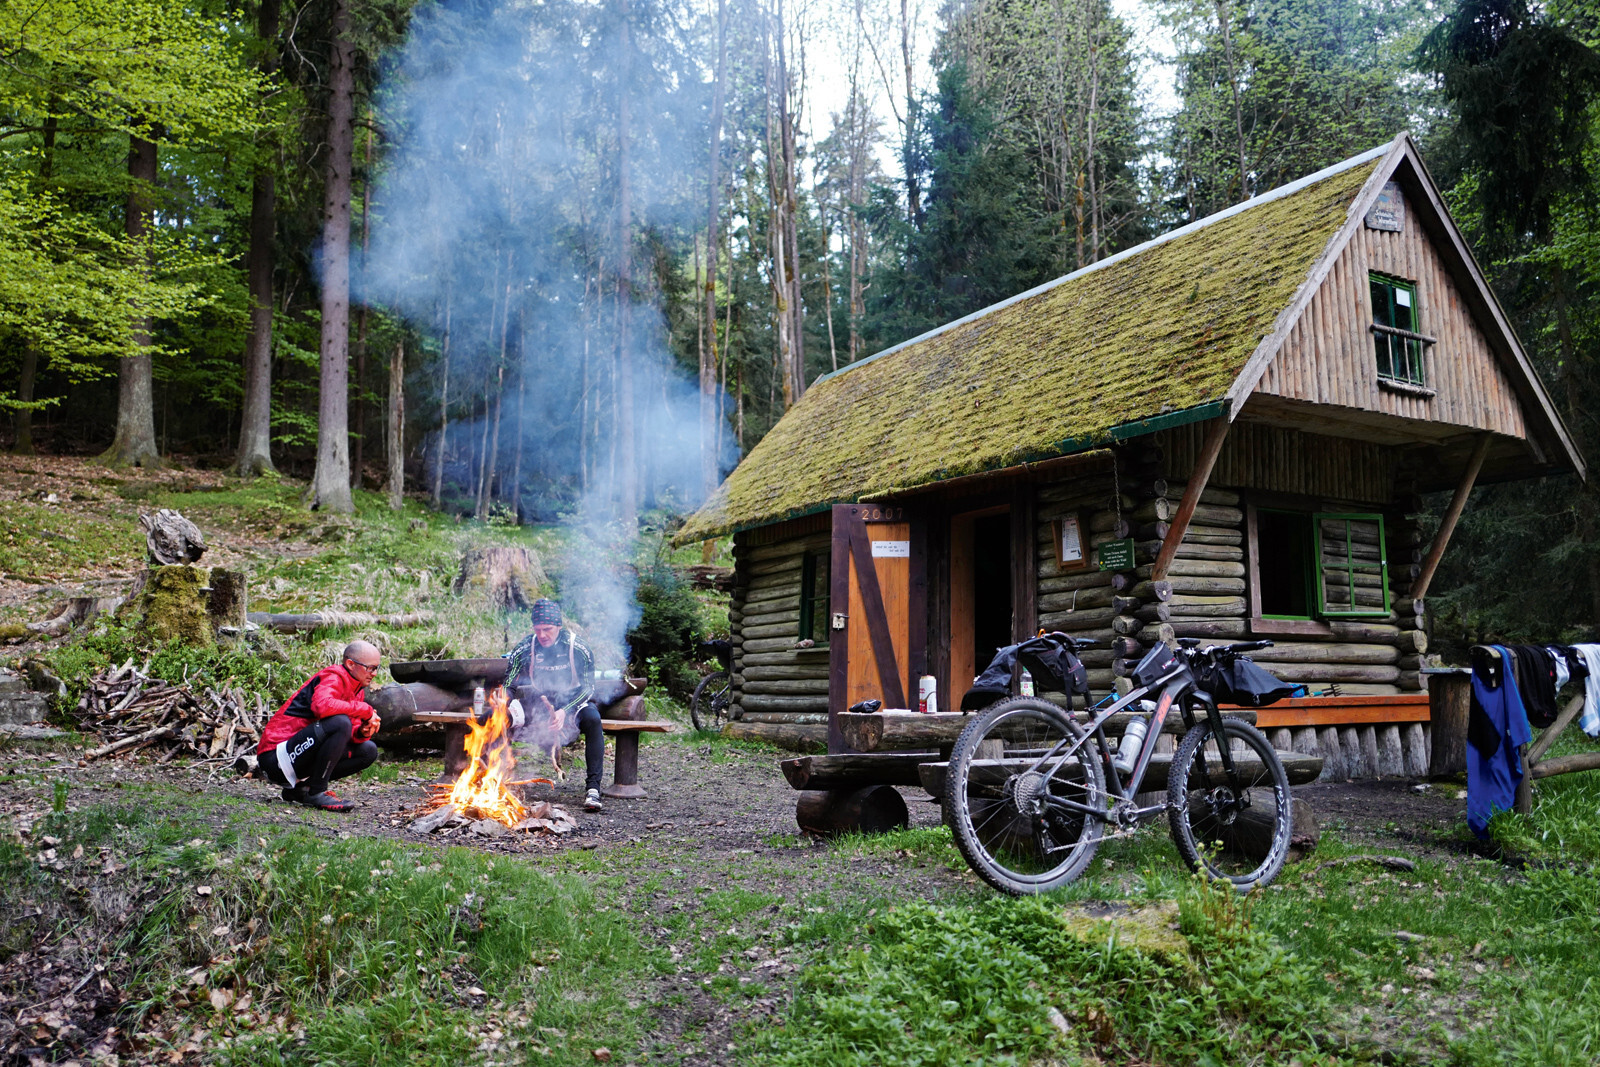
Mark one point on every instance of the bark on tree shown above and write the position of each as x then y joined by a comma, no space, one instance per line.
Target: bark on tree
135,442
444,403
711,429
782,229
330,485
397,427
627,474
358,430
23,445
255,427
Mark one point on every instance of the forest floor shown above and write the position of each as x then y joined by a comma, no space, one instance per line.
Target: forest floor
170,913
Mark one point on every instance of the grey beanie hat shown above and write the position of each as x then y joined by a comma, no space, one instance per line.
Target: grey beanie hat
545,612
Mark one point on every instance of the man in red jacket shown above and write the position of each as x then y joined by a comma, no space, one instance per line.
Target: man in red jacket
323,732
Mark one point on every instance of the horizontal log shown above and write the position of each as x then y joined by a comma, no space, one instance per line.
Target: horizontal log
1151,531
1208,495
1077,491
1582,761
1360,532
1149,550
1062,603
1411,681
913,732
795,546
1314,652
792,717
1086,582
791,629
1410,663
791,687
1186,626
1362,630
769,572
1335,672
1191,607
855,770
796,737
1106,522
1412,641
764,594
782,672
1148,590
1153,632
1158,510
814,657
1074,623
776,613
768,703
1193,586
1300,769
766,644
1195,568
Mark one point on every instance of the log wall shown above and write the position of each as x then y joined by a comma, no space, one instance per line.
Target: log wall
1328,357
772,680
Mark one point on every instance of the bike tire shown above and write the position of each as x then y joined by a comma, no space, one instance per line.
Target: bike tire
708,707
1003,824
1217,836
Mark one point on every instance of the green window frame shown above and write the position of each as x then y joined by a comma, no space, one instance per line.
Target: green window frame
1394,315
815,583
1354,572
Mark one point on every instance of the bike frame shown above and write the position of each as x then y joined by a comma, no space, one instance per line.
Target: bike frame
1172,687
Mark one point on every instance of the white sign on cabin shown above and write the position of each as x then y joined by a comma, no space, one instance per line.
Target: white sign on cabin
891,550
1389,211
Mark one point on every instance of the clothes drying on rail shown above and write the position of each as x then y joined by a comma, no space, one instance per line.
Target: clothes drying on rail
1589,721
1496,726
1535,667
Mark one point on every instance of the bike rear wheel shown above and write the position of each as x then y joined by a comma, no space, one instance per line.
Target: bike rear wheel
708,708
1237,833
1007,811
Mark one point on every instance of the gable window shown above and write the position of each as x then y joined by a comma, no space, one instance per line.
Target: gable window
1395,337
814,587
1307,567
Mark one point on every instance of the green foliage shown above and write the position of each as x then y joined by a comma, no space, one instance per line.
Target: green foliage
668,628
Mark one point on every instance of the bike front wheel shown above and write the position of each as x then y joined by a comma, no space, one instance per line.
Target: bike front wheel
1230,829
1015,806
708,708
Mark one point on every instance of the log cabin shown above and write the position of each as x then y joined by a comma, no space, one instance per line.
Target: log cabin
1222,433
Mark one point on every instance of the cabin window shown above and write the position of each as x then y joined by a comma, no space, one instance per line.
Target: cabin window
1306,567
815,582
1395,336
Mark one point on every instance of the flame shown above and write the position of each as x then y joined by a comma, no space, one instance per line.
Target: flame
480,792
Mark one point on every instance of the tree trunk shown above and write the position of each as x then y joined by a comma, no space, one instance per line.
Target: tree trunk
779,228
628,474
23,445
330,485
444,404
711,430
135,443
359,429
397,427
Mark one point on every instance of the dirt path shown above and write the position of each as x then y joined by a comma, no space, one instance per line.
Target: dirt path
713,850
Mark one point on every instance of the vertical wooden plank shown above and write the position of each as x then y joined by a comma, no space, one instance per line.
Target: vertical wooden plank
962,669
879,599
839,587
1024,564
936,525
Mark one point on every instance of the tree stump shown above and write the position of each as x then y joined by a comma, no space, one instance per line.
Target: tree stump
173,608
171,538
1449,703
508,578
227,604
874,809
1253,833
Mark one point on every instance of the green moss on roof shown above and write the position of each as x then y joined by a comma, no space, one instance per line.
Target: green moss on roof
1164,329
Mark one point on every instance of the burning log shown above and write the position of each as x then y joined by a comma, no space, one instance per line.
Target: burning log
482,792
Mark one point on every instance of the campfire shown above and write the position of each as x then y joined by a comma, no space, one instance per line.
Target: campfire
481,796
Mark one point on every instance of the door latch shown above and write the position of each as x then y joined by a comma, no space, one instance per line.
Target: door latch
838,620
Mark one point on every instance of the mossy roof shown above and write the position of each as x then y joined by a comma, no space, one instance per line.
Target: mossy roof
1154,335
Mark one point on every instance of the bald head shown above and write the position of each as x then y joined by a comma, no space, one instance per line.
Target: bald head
363,654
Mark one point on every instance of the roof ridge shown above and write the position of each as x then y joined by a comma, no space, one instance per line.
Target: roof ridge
1199,224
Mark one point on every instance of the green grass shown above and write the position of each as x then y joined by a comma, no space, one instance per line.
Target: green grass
349,951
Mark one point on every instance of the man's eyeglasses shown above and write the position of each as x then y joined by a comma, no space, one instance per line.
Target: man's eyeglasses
365,666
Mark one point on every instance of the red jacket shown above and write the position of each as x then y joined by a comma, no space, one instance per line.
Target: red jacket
331,691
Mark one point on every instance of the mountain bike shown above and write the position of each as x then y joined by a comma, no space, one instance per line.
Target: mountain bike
1030,791
708,707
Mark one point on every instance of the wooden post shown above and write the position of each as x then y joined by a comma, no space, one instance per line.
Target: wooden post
1191,497
1449,703
1447,525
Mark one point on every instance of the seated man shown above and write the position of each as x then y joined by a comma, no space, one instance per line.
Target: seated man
558,671
323,732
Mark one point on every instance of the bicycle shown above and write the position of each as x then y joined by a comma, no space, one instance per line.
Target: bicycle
708,707
1026,789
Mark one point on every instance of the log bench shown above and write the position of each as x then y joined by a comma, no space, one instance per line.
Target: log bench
1301,769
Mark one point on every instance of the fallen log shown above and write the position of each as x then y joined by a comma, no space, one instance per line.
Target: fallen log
287,623
874,809
64,616
796,737
154,734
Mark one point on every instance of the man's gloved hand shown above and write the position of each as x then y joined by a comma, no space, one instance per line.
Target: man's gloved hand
514,710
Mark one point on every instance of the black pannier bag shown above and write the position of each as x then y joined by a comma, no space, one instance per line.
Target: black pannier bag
1054,668
1159,662
1236,680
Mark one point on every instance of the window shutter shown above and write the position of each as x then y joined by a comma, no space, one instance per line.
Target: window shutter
1353,564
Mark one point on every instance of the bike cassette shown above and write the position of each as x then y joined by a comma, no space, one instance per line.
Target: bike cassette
1024,790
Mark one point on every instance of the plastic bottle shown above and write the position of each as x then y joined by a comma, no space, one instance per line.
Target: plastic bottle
1025,684
1132,740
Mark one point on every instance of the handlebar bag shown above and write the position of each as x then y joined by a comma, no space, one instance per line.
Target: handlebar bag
1157,663
1055,669
1239,681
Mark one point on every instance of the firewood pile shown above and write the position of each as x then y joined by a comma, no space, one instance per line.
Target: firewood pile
131,711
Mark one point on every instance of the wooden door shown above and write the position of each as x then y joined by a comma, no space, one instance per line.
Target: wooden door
878,642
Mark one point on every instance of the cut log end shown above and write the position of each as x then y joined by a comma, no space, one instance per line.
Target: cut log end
874,809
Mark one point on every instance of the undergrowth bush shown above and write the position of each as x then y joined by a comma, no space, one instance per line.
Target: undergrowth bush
669,628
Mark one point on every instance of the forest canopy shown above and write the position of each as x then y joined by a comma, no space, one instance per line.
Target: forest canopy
540,257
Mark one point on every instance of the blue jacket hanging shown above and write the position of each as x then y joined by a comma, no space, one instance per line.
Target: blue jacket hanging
1497,726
